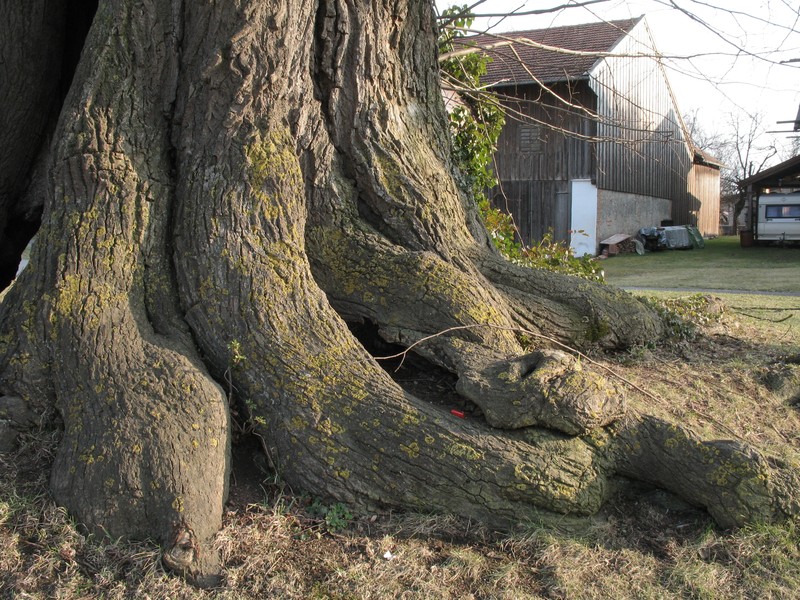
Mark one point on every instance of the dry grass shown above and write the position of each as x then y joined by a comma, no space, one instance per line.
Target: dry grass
644,546
740,378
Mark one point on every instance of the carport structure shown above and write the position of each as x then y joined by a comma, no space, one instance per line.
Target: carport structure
782,178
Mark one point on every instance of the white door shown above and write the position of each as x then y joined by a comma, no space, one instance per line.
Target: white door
583,223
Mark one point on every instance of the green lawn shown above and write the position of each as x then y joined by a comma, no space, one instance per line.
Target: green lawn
722,265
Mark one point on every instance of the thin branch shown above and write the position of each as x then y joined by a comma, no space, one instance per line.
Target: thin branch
746,314
651,53
575,351
537,11
448,20
716,421
524,41
766,308
471,50
741,14
564,346
692,16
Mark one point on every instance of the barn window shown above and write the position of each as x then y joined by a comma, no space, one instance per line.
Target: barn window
529,140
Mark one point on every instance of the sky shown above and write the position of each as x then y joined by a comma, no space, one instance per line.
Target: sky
721,62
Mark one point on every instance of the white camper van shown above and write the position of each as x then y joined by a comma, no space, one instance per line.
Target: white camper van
778,217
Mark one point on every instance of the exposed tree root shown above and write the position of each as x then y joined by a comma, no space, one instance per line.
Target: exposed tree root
233,183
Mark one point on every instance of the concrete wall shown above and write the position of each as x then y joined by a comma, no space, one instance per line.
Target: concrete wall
620,212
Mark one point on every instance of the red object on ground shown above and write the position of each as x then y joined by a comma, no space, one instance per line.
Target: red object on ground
458,413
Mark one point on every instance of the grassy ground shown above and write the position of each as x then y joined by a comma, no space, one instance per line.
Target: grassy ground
737,379
723,265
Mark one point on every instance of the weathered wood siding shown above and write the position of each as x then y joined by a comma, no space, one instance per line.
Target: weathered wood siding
544,145
633,147
537,207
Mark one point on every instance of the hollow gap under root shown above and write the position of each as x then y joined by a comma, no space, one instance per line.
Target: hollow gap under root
415,374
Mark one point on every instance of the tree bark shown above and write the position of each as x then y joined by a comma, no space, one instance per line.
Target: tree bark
232,185
30,67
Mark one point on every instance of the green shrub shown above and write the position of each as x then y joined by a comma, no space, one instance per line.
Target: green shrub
336,516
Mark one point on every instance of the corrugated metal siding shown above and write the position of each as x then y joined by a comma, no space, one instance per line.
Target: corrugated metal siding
642,148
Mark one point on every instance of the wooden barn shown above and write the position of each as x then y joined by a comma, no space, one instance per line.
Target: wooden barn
594,144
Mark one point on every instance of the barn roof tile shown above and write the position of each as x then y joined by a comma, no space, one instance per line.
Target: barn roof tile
542,64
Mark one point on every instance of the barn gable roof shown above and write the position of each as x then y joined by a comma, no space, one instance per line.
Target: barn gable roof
539,64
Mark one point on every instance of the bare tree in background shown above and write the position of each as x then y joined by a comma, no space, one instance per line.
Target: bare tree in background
742,148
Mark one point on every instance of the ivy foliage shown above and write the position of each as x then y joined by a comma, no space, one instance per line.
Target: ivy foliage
475,126
685,316
476,123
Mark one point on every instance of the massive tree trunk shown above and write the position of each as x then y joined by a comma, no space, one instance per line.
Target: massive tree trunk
260,192
29,79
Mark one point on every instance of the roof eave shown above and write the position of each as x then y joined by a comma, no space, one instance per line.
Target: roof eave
772,172
703,158
545,81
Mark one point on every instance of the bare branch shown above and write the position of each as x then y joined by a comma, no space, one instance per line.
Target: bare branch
540,11
754,17
471,50
715,31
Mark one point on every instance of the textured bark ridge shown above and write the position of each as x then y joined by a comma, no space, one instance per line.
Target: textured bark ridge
542,389
234,183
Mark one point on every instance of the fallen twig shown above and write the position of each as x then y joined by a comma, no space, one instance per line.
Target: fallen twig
772,308
541,336
776,430
717,422
741,312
